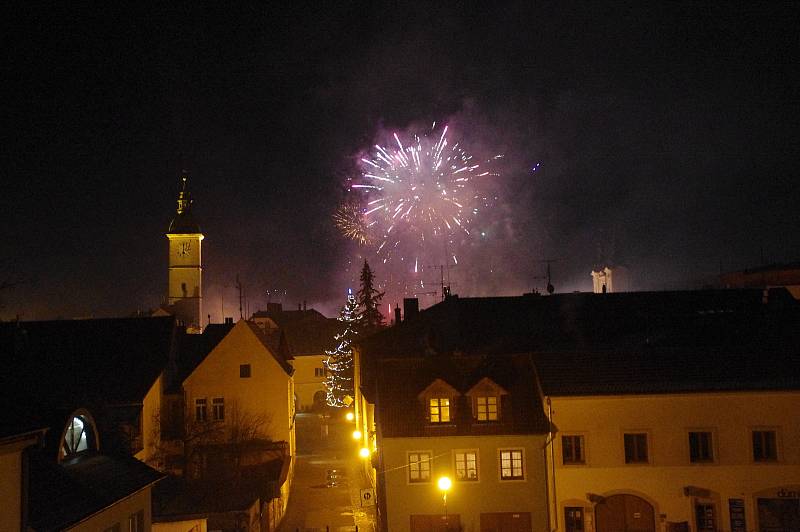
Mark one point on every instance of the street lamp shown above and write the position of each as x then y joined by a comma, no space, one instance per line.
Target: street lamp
356,434
364,452
445,484
349,416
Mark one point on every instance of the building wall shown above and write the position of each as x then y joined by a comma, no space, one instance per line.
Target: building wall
307,379
267,391
667,420
467,499
10,487
185,268
151,423
119,513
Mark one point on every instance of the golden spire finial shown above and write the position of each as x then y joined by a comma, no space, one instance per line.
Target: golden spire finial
184,200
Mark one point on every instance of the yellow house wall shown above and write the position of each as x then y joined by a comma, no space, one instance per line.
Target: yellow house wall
151,420
10,486
468,499
118,513
306,383
268,391
667,419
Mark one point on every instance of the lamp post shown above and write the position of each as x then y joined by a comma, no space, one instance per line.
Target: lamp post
445,484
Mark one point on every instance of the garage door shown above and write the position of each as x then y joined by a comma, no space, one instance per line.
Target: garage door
506,522
435,523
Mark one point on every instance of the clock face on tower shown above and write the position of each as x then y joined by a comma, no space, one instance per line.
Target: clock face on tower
184,248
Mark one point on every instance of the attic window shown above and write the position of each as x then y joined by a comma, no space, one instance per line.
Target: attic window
486,400
487,408
244,371
79,436
440,410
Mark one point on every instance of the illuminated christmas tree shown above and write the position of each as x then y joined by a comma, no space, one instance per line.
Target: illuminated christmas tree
339,383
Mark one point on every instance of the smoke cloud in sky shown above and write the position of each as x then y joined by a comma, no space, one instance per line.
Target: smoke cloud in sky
662,138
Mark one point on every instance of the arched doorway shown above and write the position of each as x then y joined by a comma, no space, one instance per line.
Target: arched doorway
624,513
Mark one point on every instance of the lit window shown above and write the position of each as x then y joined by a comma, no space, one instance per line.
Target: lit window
487,408
700,447
419,467
572,449
765,446
218,406
466,465
511,465
244,371
440,410
200,410
636,448
78,437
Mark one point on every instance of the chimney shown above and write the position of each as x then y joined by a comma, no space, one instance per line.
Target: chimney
274,307
299,306
228,321
397,314
304,306
410,307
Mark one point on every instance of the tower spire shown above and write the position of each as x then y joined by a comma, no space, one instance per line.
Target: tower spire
184,198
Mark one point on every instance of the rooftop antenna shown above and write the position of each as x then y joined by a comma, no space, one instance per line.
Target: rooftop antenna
239,287
550,287
445,288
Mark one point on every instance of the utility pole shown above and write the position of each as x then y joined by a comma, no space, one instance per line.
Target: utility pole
550,287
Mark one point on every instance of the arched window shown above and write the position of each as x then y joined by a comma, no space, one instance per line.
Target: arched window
79,435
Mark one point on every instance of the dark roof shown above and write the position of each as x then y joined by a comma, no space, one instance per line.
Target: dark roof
55,364
61,495
307,332
400,412
176,497
618,343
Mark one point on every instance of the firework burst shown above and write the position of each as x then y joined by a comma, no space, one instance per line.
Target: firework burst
416,194
349,218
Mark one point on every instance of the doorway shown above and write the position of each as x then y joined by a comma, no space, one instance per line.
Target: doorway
625,513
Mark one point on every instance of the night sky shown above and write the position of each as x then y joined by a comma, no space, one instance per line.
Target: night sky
666,138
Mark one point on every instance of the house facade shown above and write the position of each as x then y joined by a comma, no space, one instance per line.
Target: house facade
704,461
245,388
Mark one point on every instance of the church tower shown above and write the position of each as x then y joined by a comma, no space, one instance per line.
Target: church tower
185,294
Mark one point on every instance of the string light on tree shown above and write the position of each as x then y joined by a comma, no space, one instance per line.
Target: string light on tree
339,384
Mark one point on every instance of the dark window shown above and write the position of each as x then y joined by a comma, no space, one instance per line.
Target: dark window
511,465
200,410
218,404
765,448
700,447
572,450
319,372
706,520
136,522
573,519
115,528
636,448
244,371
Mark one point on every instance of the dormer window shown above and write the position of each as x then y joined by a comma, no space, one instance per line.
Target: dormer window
486,408
486,400
440,410
439,402
79,435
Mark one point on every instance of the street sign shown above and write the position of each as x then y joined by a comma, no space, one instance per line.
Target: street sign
368,497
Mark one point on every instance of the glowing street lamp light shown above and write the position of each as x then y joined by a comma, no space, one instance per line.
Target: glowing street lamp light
356,434
349,416
364,452
444,484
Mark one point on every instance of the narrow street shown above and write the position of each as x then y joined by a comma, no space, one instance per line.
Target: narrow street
328,479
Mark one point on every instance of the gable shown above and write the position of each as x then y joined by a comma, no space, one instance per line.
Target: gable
438,388
486,387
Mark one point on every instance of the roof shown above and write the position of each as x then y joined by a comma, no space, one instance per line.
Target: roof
59,364
307,332
401,413
65,494
272,343
194,348
635,342
176,497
